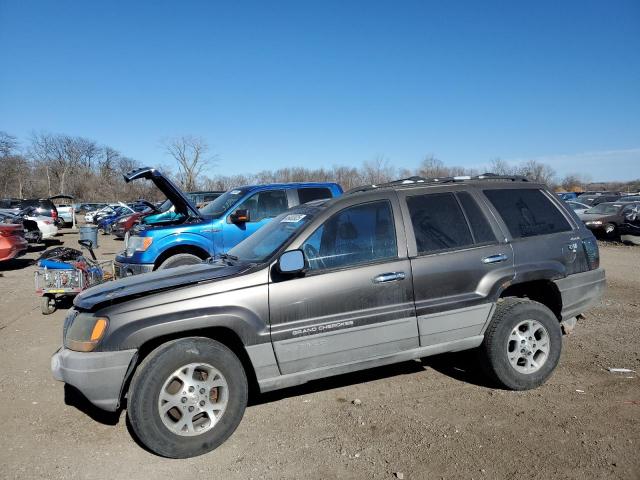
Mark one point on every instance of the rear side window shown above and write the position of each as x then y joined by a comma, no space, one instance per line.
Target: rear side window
527,212
479,223
438,222
313,193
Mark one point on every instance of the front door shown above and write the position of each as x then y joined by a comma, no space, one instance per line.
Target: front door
262,207
355,301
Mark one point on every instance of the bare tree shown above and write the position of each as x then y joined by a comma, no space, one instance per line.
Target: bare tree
432,167
537,171
191,154
8,144
378,170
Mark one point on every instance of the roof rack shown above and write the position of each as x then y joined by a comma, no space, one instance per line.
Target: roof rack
460,178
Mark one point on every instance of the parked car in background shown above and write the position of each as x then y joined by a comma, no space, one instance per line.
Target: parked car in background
201,197
185,235
380,275
12,241
606,218
578,207
91,215
630,198
630,229
106,222
9,203
89,207
32,233
123,224
64,207
46,225
566,196
595,199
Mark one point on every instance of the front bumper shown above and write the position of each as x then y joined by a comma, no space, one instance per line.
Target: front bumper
581,291
98,375
128,269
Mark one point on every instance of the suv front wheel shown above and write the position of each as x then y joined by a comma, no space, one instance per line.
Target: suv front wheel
187,397
522,344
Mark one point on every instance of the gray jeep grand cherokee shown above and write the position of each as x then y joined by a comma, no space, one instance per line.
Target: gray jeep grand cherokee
382,274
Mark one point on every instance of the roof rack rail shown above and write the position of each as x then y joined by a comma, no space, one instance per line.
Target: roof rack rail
460,178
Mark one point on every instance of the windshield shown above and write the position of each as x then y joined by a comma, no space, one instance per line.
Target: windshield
220,205
261,246
605,209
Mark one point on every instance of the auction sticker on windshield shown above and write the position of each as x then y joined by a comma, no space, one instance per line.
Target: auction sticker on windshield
293,218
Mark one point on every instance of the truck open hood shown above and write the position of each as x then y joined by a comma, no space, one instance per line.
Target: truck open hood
148,283
180,201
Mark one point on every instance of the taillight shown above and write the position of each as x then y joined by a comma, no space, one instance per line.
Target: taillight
593,254
54,214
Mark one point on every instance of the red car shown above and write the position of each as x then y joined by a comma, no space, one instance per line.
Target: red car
12,242
122,225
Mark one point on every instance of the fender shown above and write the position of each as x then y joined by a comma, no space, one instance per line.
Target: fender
547,270
239,303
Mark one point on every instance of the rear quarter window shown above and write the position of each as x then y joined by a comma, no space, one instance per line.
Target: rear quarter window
310,194
527,212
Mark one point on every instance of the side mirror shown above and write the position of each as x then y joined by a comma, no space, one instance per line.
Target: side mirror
291,262
240,216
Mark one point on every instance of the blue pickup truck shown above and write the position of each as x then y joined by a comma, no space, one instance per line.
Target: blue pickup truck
189,235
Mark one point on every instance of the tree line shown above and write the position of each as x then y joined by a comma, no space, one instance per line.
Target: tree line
48,164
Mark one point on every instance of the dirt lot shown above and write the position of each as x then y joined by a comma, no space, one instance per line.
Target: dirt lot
435,419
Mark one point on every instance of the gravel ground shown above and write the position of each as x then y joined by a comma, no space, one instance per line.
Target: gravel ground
416,420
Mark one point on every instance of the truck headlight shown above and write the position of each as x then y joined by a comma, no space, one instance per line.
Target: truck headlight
137,244
85,332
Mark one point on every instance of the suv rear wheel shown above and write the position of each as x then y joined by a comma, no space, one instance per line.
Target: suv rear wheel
187,397
522,344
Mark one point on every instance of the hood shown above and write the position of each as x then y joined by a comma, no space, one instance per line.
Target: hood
171,191
589,217
148,283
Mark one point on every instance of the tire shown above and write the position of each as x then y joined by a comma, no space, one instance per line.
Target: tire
510,367
48,304
158,432
180,260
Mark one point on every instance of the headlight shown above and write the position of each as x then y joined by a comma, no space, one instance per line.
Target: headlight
85,332
594,222
138,244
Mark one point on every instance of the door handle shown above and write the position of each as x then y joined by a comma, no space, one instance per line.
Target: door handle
389,277
500,257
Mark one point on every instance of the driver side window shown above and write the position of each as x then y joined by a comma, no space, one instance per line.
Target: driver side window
265,204
355,235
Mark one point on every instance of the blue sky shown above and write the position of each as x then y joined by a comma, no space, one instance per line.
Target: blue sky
273,84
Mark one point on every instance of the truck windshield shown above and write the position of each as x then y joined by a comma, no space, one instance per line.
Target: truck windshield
224,202
263,244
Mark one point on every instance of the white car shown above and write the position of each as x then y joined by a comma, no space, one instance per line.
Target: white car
45,225
90,216
578,207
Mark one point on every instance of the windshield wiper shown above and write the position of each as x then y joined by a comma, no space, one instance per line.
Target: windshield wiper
225,257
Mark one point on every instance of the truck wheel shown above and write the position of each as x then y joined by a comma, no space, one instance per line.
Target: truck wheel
522,344
48,304
187,397
179,260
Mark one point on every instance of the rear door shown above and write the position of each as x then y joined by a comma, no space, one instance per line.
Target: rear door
355,302
459,258
546,239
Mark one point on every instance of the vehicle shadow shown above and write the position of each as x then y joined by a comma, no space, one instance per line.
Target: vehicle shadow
15,264
74,398
461,366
